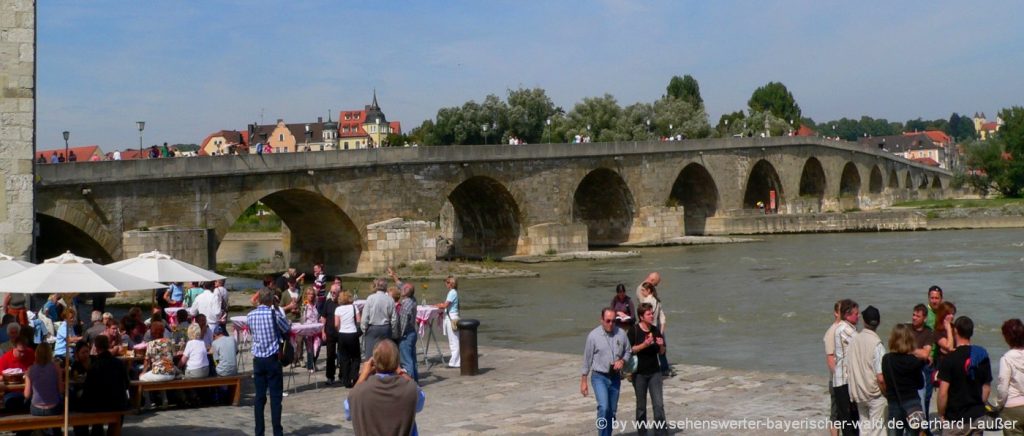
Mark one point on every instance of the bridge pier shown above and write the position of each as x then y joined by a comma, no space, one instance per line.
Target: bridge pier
187,245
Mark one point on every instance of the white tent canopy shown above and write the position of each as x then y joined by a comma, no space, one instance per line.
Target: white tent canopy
70,273
10,265
159,267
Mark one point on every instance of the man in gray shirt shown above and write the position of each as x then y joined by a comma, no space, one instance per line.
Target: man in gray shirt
606,352
225,352
379,318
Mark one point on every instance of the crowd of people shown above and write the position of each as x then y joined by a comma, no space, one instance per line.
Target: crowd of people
876,391
628,344
371,347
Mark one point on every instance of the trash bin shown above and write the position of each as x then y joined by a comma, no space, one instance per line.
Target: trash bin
467,346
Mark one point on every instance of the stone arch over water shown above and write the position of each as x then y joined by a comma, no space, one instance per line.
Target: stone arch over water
936,182
762,180
924,180
57,236
908,181
849,183
695,190
875,184
320,230
605,204
486,221
894,180
812,179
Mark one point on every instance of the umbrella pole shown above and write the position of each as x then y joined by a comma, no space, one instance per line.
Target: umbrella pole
67,374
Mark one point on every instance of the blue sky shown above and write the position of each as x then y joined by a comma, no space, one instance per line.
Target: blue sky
189,68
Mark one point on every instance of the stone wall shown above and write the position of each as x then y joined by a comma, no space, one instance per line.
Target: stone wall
658,223
824,222
397,241
549,238
17,125
186,245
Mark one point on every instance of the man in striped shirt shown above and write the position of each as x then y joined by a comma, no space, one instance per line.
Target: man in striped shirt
845,332
267,324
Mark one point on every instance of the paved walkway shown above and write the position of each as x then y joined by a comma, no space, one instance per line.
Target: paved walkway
522,392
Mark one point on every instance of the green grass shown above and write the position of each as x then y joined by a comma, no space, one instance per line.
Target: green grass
968,203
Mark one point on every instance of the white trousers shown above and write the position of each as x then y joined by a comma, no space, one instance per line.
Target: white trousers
453,343
872,416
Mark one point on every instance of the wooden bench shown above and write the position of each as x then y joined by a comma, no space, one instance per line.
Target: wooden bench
233,382
29,422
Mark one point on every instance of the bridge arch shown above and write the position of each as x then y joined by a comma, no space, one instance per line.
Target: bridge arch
875,185
67,232
849,182
605,204
763,179
936,182
812,179
908,181
486,220
894,180
695,190
320,230
923,177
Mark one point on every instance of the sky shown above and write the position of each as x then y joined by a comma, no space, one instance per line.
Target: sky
190,68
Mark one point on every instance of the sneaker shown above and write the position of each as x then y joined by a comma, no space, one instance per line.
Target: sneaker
330,382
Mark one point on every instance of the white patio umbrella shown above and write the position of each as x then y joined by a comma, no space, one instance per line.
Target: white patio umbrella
70,273
10,265
160,267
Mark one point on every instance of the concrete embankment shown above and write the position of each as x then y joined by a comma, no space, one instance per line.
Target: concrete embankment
898,219
529,392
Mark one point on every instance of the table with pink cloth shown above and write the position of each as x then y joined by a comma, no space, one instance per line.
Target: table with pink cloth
312,329
171,315
425,318
240,328
359,304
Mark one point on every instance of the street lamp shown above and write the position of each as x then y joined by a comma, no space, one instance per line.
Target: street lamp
484,126
67,135
549,130
648,126
310,134
141,125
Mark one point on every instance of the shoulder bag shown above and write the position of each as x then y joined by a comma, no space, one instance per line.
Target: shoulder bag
359,330
285,349
915,417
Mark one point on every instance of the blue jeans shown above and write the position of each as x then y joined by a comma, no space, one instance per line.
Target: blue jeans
266,373
926,392
899,412
606,390
407,354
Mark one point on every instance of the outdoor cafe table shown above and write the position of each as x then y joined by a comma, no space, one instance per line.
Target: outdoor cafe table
426,316
312,329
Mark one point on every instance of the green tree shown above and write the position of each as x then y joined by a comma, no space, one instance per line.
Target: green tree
529,110
674,116
685,88
776,99
595,117
424,134
730,124
986,168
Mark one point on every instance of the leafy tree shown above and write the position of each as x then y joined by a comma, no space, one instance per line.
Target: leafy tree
774,98
632,124
528,112
1012,131
757,122
424,134
986,168
999,162
674,116
685,88
730,124
396,140
600,114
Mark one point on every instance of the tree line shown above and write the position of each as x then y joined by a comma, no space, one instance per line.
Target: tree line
529,115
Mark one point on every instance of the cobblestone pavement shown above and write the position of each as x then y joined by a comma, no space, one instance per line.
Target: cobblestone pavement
519,392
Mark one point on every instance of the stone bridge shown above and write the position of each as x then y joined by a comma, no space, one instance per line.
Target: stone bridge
363,209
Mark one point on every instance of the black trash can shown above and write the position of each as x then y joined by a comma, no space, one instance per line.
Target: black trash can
467,346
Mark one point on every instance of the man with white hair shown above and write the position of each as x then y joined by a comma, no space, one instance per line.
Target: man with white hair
647,292
13,329
379,318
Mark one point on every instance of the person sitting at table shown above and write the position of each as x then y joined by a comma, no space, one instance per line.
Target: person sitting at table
159,363
194,357
225,352
95,329
347,318
21,357
205,333
179,330
13,330
44,384
106,385
310,315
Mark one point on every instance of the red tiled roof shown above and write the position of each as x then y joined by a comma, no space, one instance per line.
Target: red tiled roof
396,127
936,136
83,153
804,131
990,126
927,161
350,123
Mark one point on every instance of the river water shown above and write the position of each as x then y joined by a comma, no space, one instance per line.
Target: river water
761,305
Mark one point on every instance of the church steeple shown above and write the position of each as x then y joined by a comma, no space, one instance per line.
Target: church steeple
375,105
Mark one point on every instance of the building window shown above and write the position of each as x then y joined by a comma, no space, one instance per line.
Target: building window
281,137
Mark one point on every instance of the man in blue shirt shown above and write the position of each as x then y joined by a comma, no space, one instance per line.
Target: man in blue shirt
267,324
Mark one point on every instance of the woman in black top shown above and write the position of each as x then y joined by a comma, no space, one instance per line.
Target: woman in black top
648,344
902,373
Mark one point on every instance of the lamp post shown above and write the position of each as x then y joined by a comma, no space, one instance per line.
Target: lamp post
141,125
549,130
310,133
67,135
648,126
484,127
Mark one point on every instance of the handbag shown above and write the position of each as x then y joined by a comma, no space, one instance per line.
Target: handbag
915,417
630,366
285,349
359,330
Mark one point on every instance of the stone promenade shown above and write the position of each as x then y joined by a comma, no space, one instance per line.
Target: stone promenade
522,392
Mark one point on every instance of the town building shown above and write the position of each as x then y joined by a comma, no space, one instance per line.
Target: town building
985,128
223,142
366,128
931,147
83,153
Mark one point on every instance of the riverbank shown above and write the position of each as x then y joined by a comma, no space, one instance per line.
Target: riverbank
522,392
